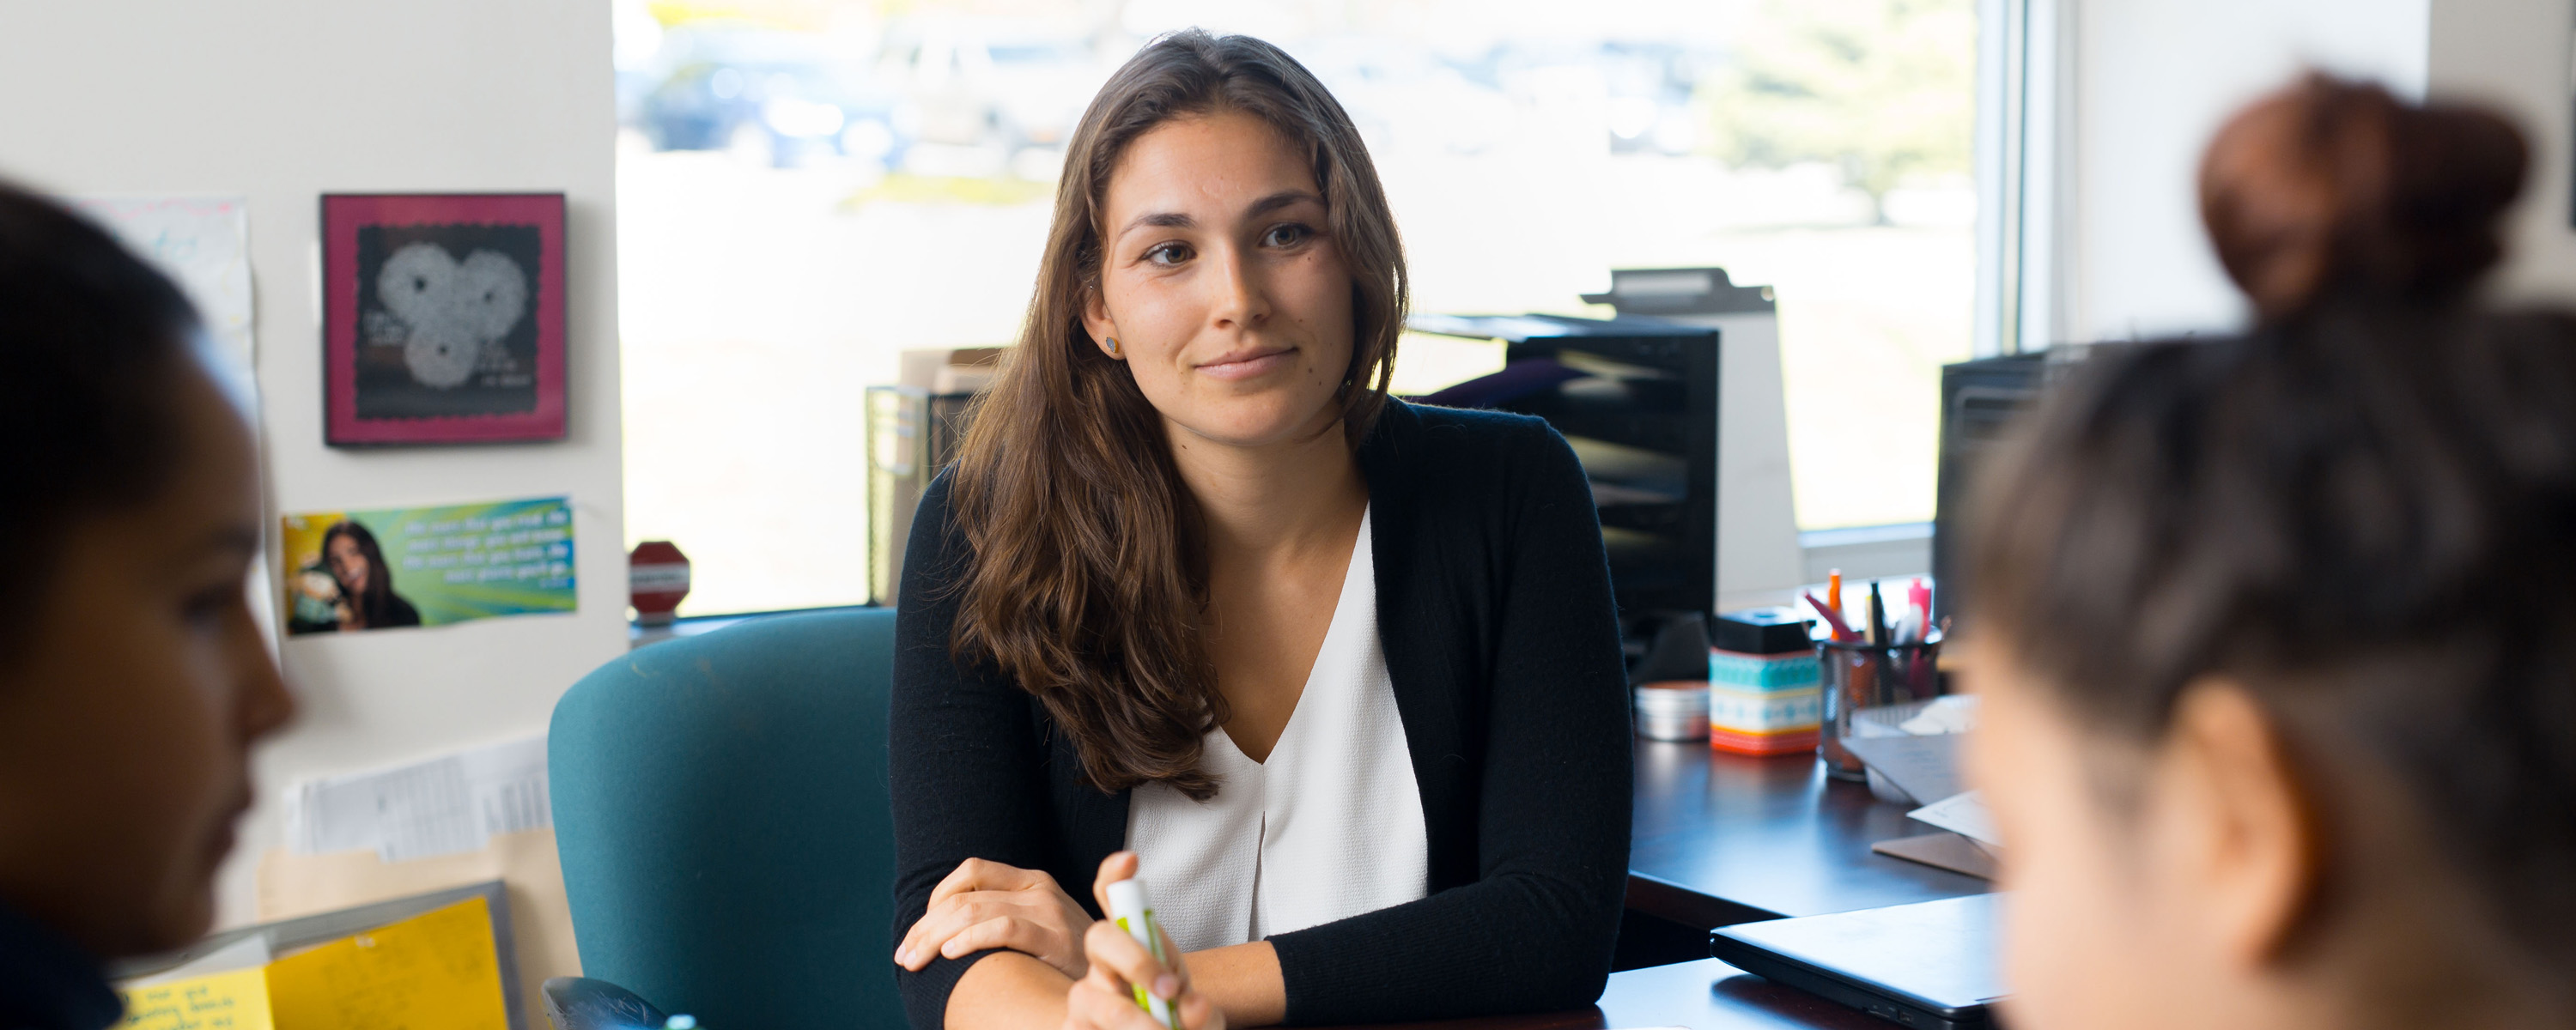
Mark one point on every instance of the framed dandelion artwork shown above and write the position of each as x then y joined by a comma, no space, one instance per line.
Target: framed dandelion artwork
443,318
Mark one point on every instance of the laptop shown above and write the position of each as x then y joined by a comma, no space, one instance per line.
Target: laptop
1930,964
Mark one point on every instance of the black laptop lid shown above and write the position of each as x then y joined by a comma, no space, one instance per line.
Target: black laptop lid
1940,955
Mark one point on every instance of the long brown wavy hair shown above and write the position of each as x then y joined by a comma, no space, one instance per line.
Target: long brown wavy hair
1086,576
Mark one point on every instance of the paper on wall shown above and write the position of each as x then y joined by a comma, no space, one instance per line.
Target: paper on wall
1964,814
204,244
444,806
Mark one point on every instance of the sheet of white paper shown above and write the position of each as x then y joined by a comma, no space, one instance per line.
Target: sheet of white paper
1951,713
1964,814
247,953
450,804
1919,767
203,244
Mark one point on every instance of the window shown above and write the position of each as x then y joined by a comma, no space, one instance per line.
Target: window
807,188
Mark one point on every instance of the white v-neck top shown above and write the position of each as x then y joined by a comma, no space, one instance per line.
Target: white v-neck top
1330,827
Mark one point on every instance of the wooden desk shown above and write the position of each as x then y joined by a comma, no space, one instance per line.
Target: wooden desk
1724,839
1703,995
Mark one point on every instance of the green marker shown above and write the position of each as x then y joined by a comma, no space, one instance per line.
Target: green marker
1128,908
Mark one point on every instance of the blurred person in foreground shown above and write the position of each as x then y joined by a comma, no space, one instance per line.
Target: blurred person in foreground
133,680
2273,633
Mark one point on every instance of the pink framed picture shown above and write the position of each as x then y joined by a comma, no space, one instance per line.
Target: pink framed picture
443,318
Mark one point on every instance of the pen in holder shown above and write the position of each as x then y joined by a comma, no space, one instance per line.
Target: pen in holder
1858,676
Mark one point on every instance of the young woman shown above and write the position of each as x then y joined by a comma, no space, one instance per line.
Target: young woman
1339,674
367,597
133,680
2274,634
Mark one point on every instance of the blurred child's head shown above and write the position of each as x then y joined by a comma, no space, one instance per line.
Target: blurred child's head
133,679
2276,635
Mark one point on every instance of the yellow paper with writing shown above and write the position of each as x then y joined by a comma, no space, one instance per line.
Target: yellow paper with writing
434,971
237,1000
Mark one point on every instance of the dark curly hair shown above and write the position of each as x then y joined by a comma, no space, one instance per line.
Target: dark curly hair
2364,509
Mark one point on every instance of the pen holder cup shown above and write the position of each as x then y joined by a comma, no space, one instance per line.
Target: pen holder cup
1857,677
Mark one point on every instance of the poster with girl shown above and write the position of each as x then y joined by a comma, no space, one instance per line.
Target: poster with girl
350,571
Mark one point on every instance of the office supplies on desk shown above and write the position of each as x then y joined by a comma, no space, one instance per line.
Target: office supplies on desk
1878,617
1763,723
1949,713
1859,677
1833,617
1915,770
1941,850
1740,671
1763,704
1673,710
1964,814
1761,631
1928,964
1762,745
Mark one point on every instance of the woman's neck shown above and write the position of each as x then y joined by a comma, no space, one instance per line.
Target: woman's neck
1272,499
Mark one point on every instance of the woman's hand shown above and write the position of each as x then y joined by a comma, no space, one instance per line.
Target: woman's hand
990,905
1106,999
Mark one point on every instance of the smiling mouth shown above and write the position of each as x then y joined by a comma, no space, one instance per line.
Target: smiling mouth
1248,363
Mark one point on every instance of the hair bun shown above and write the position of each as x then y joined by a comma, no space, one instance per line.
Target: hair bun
2333,187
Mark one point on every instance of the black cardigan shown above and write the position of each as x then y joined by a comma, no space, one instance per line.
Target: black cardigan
1502,644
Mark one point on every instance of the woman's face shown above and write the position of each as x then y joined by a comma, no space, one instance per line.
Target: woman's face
2166,905
1229,301
126,721
349,564
2076,952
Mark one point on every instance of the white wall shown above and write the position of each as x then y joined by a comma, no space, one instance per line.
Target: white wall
2153,80
279,101
2515,54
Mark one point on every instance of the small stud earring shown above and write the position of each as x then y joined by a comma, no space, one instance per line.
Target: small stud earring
1113,346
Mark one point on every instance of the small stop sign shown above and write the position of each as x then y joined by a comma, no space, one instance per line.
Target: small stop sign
657,577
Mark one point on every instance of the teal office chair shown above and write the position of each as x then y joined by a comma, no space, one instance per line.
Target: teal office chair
720,806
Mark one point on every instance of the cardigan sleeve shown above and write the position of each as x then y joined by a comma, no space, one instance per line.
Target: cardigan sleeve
1534,932
967,776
